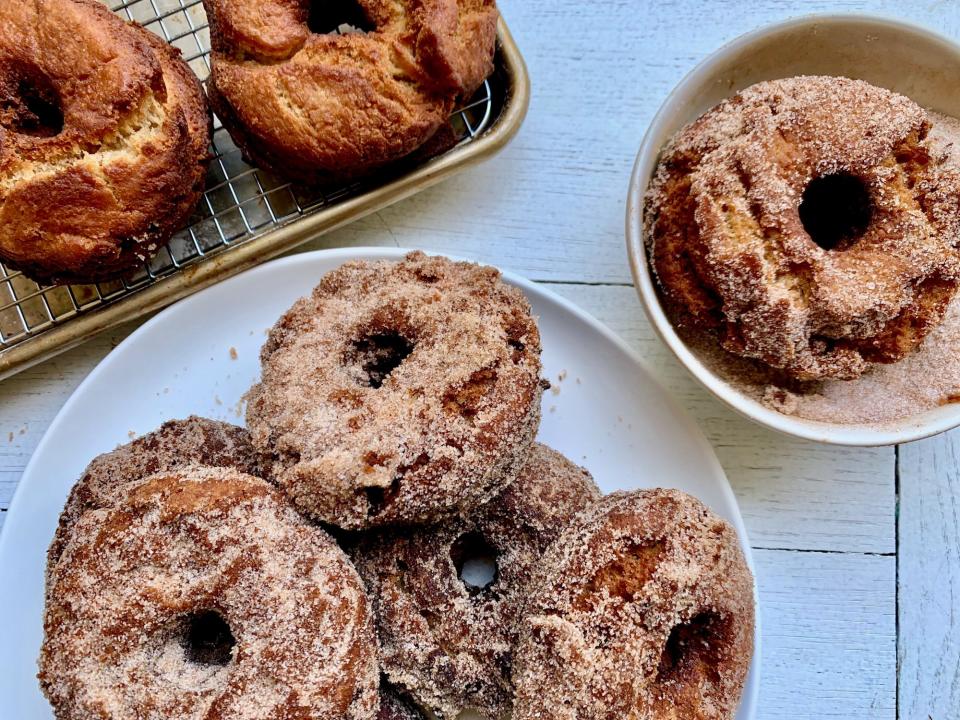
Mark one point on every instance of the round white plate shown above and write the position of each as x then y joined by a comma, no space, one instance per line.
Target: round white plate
201,354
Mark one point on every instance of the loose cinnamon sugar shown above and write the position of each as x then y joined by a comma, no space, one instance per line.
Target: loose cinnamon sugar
924,380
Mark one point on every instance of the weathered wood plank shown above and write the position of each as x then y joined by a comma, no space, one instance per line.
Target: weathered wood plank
829,636
929,579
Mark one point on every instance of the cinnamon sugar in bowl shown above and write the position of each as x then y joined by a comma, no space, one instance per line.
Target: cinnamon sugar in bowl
890,403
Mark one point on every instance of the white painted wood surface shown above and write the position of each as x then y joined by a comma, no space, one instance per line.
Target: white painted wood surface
849,593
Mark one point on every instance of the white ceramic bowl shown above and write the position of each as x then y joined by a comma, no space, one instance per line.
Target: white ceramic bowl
888,53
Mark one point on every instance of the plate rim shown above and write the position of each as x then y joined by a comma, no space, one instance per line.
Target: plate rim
750,696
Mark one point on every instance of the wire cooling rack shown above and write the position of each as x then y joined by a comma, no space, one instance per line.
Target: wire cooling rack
241,203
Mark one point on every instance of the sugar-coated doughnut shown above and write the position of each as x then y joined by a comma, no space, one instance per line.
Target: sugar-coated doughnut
643,609
810,224
398,392
446,641
202,594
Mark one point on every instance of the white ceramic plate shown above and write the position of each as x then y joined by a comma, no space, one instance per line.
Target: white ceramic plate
888,53
200,356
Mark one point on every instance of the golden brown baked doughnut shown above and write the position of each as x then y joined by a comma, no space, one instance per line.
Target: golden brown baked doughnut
202,594
398,392
314,106
808,222
104,136
643,609
445,641
175,444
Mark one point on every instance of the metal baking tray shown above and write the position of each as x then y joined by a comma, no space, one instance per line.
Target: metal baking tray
246,216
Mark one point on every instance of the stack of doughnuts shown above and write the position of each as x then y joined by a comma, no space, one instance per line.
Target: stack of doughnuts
388,540
105,131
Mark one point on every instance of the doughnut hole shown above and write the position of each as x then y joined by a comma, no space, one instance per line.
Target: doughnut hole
379,497
836,210
475,561
30,105
206,638
694,649
377,355
328,17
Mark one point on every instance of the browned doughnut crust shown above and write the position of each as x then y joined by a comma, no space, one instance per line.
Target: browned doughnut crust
731,252
134,579
128,167
449,645
356,442
644,610
316,107
175,444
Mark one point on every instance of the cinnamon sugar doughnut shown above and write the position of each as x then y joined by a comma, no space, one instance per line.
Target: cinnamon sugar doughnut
643,609
810,224
175,444
398,392
203,594
443,640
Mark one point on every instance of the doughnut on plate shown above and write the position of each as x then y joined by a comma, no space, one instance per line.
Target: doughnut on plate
199,356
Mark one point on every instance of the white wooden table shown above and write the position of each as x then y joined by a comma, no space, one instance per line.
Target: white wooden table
858,551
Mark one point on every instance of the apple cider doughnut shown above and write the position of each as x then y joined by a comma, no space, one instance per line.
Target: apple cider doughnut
643,609
447,628
398,392
202,594
810,224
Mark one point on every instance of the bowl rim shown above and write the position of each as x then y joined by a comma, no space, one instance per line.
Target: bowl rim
915,427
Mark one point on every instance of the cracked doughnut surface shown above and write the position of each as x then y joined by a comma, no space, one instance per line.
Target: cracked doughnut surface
104,141
398,392
445,641
643,609
175,444
809,223
202,594
314,106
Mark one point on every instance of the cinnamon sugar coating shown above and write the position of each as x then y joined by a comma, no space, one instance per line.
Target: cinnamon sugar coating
202,594
314,106
398,392
733,254
449,644
104,141
643,609
175,444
